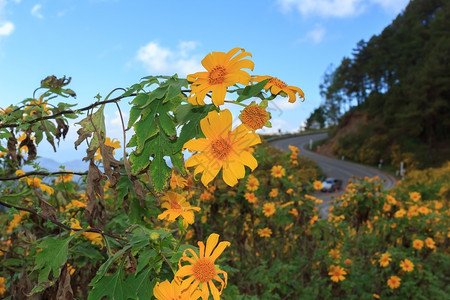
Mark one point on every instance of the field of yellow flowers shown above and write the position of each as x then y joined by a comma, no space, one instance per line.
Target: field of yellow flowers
375,244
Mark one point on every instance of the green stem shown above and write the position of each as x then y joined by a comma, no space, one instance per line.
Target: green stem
235,102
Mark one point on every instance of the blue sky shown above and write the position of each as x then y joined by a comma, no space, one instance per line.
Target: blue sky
105,44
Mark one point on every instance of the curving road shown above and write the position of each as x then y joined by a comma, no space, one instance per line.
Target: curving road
331,167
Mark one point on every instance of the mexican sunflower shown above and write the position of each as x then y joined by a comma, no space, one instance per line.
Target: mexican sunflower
394,282
407,265
222,149
171,290
277,171
255,117
222,70
176,205
337,273
277,86
317,185
385,259
201,269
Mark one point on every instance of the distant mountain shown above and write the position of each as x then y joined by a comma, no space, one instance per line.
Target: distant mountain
395,92
54,166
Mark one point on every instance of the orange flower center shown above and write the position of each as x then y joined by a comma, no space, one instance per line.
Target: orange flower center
217,75
204,270
254,116
174,205
220,148
277,82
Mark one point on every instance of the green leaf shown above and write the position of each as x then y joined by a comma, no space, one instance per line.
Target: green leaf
51,259
113,286
190,116
105,266
252,90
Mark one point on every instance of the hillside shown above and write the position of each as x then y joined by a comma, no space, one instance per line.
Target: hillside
394,91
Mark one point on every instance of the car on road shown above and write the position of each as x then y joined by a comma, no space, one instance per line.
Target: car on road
331,185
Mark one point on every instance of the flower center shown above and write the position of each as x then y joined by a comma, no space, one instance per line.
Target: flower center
175,205
220,148
217,75
204,270
254,116
277,82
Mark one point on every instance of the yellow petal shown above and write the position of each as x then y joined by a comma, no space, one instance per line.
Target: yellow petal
214,291
197,145
211,243
219,249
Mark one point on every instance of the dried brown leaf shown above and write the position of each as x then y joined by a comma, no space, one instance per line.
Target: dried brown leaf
64,288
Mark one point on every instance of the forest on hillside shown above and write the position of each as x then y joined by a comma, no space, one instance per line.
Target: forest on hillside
398,82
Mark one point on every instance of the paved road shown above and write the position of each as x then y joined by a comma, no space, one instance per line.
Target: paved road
331,167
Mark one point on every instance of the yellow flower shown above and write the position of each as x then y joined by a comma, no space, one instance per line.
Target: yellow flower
424,210
317,185
386,207
265,232
385,259
313,219
2,285
273,193
201,269
294,212
222,149
278,171
96,238
223,70
414,196
108,142
278,86
70,269
348,262
171,290
252,183
254,116
430,243
394,282
176,205
400,213
337,273
206,196
75,204
5,111
269,209
294,149
406,265
391,200
250,197
418,244
177,180
334,254
16,220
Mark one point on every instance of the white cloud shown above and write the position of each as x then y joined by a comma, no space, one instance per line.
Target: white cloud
324,8
278,126
35,11
6,28
162,60
392,6
339,8
316,34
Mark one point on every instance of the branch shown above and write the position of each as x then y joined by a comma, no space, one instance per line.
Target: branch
69,111
42,174
58,223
